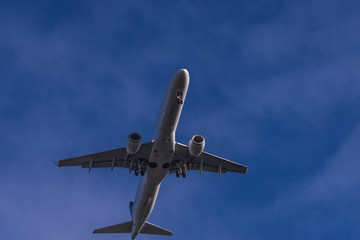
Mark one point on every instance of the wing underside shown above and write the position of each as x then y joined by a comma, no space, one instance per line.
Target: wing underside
117,158
110,159
205,162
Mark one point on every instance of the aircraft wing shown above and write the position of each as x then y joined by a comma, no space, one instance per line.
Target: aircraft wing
109,159
205,162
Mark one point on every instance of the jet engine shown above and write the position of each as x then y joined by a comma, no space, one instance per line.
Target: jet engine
196,145
133,143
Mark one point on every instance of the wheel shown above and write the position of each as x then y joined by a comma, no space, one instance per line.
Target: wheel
142,172
183,171
136,172
177,173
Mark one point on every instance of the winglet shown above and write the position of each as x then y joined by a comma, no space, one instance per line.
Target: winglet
57,163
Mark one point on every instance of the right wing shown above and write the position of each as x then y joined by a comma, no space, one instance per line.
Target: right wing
205,162
109,159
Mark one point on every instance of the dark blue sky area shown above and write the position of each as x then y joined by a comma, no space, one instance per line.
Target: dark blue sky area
274,85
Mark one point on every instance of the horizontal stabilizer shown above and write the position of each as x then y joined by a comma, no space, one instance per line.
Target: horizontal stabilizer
149,228
118,228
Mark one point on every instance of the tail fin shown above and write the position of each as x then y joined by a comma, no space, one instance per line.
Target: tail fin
131,207
118,228
149,228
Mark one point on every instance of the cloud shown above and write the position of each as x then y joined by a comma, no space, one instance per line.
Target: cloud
320,206
312,92
270,82
300,61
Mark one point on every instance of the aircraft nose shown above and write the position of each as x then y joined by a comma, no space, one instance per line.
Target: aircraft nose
182,73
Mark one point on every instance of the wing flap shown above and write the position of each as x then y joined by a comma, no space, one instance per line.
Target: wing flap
107,159
119,153
206,167
106,164
209,162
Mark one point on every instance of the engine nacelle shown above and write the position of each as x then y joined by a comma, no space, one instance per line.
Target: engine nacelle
196,145
133,143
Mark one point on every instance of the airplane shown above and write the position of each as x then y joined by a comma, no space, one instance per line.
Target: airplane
155,159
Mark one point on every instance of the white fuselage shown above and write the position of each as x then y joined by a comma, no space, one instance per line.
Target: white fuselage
163,149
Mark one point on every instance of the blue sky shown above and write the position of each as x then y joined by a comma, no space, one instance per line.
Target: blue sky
274,85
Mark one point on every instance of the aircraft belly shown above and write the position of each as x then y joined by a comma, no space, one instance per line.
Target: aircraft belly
163,149
144,204
160,159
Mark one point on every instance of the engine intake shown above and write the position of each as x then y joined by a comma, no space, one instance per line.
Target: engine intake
133,143
196,145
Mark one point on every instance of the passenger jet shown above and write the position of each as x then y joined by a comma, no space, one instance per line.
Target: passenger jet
155,159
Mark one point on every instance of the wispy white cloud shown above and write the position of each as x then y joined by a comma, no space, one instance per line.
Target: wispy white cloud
316,207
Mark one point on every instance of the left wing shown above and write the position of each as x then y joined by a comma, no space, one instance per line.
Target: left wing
205,162
109,159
